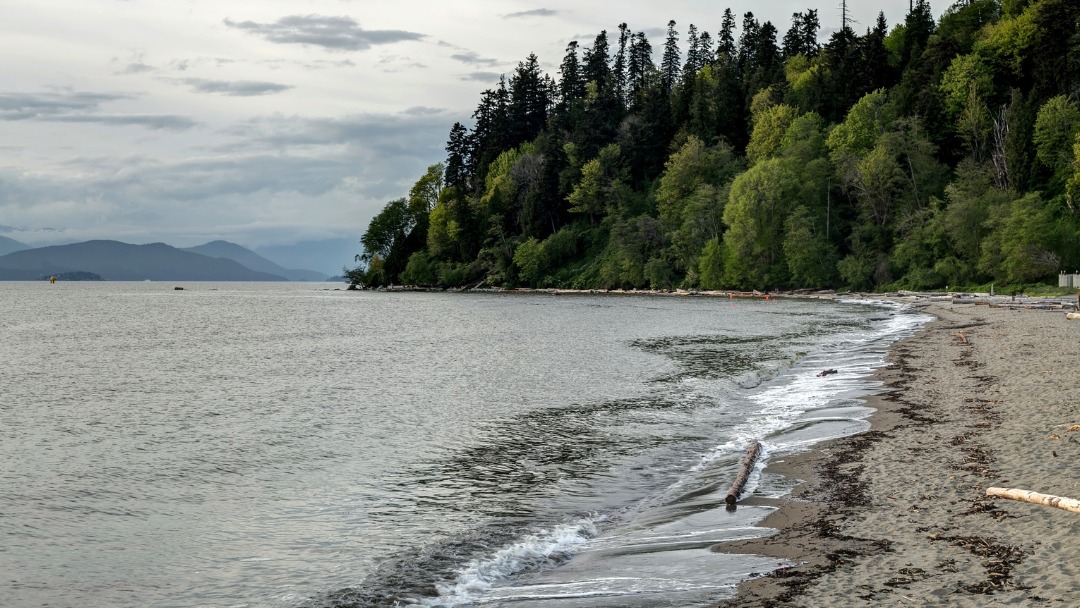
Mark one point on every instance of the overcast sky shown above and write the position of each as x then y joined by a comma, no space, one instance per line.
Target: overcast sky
267,122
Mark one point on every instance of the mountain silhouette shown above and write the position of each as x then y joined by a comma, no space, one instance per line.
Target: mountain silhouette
116,261
9,245
252,260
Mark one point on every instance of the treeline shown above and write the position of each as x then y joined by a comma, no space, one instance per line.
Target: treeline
927,154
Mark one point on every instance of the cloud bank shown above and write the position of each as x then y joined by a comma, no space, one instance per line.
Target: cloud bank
332,33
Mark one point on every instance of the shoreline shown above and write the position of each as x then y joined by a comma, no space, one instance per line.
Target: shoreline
898,515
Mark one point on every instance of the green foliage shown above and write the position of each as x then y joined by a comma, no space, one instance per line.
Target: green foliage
660,273
770,125
755,216
925,155
691,195
632,244
867,120
420,270
858,269
531,260
1019,248
962,22
1005,44
1072,188
386,229
603,186
967,75
1056,128
444,231
424,194
810,256
1012,8
711,265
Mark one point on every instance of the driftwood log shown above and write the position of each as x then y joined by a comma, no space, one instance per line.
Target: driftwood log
737,486
1074,316
1068,504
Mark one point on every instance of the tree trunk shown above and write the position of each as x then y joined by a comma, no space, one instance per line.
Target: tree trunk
752,453
1068,504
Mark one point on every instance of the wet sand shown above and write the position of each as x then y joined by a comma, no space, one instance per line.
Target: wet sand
898,515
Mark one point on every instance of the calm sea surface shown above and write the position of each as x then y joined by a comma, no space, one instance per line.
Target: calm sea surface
287,445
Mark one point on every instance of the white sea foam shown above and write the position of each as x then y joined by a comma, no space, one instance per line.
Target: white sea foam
531,552
779,405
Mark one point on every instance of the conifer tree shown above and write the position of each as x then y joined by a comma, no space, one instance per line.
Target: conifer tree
669,65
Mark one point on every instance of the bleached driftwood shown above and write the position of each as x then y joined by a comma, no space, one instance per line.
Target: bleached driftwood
1075,316
1068,504
752,453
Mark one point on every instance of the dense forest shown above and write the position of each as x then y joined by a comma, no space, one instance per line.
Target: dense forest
927,154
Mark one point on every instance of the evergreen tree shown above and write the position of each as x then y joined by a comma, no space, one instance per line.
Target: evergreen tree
458,150
640,67
795,37
597,68
705,50
619,70
528,104
571,83
725,40
810,27
693,61
669,65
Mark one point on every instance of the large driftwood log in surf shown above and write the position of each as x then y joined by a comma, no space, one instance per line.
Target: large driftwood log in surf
1068,504
736,490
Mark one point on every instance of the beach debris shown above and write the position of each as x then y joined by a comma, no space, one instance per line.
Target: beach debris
961,337
1048,500
1073,316
826,372
753,451
1073,428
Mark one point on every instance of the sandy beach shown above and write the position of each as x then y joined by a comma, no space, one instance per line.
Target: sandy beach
898,515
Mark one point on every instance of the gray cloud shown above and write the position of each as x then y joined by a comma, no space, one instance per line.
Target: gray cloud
423,111
235,88
299,175
25,106
481,76
417,132
82,107
537,12
135,63
137,67
333,33
168,122
473,58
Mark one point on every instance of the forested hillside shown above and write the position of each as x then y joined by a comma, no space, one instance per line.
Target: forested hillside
907,156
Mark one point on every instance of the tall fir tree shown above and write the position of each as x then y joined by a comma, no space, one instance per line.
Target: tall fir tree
670,63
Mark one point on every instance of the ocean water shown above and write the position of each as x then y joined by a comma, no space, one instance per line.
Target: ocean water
289,445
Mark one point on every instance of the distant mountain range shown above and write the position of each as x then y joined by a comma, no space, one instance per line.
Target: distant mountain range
254,261
9,245
116,261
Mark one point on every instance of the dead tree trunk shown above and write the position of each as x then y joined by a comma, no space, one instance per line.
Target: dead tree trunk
1068,504
736,490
